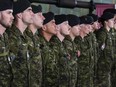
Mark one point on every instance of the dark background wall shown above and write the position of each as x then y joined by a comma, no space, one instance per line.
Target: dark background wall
76,11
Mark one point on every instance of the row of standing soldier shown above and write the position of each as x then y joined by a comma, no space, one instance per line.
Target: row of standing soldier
47,50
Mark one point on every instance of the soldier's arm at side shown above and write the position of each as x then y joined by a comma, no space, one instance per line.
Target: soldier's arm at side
101,37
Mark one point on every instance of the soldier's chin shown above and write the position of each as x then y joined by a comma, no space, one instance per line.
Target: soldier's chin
111,27
7,26
41,25
30,22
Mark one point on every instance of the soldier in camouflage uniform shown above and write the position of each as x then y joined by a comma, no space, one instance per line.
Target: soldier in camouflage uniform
18,43
6,19
85,61
113,33
90,38
95,50
113,72
71,48
49,70
104,39
63,56
35,62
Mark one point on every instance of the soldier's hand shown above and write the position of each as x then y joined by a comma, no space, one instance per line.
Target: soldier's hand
78,53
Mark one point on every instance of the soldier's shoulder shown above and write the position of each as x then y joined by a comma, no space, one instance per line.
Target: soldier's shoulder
101,31
28,33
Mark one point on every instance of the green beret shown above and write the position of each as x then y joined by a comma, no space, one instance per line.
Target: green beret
111,10
48,17
106,16
6,4
20,5
95,17
86,20
36,9
60,18
73,20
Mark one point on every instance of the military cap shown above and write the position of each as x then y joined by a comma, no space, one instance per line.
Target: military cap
48,17
6,4
36,9
20,5
73,20
106,16
95,17
111,10
60,18
86,20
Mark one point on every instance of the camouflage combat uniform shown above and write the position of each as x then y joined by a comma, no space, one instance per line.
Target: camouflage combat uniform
94,54
71,49
49,69
62,59
113,69
105,60
95,51
85,64
5,62
20,56
35,61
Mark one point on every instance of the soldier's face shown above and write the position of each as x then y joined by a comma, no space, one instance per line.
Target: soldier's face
65,28
110,23
75,30
51,27
27,16
114,25
38,19
6,18
85,28
89,28
96,25
115,22
81,28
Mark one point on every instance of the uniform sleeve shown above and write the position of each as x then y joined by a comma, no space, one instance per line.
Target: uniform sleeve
13,47
101,37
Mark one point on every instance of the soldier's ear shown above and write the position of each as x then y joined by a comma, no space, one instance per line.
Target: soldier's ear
44,27
19,15
57,27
